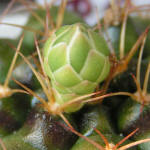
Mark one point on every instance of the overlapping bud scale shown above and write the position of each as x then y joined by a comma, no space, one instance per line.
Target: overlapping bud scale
76,60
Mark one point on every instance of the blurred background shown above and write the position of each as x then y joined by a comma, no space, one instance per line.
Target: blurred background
85,8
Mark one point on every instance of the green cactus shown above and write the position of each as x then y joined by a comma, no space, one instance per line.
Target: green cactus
41,131
76,60
82,144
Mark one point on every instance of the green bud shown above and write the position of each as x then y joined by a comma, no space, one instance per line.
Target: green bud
76,60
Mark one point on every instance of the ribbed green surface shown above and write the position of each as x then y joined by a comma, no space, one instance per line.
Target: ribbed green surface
76,60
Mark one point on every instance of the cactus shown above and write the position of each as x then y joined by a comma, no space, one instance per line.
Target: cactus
129,116
41,131
74,62
82,62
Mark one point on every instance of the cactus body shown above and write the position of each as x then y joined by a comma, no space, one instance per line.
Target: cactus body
41,132
76,60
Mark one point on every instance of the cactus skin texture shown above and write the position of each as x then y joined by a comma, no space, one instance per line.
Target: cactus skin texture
76,60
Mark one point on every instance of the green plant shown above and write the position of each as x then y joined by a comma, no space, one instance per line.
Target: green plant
70,83
82,62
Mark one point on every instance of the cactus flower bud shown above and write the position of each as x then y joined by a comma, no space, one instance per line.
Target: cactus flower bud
76,60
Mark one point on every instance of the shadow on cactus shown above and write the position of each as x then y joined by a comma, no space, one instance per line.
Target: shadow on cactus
127,43
137,106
